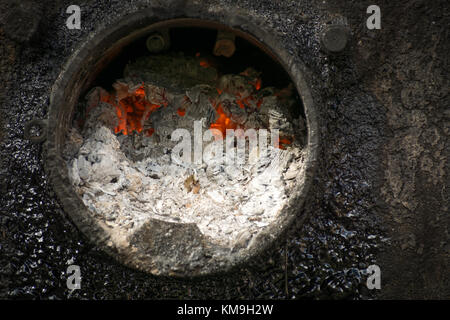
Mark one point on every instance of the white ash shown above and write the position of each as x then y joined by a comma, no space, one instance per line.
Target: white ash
126,179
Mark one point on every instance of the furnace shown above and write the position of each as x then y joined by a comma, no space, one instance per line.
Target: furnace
183,147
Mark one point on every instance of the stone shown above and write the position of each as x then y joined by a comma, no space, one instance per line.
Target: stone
106,169
84,168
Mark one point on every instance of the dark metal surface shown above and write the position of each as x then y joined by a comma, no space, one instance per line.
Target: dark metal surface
372,178
22,20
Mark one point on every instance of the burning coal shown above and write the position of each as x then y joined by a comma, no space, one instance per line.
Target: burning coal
127,163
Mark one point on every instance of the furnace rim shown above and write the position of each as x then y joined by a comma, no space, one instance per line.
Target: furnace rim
96,53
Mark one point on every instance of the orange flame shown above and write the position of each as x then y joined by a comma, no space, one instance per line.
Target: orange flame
205,64
131,111
223,122
282,141
257,84
134,108
181,112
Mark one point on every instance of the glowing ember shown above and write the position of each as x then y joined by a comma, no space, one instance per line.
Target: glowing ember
256,83
150,132
134,106
223,122
181,112
204,64
132,109
284,141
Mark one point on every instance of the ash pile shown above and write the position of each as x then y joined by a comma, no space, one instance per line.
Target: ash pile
120,151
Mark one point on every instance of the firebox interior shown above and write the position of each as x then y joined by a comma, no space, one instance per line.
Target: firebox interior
196,40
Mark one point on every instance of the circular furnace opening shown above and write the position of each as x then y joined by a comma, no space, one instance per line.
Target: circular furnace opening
184,148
